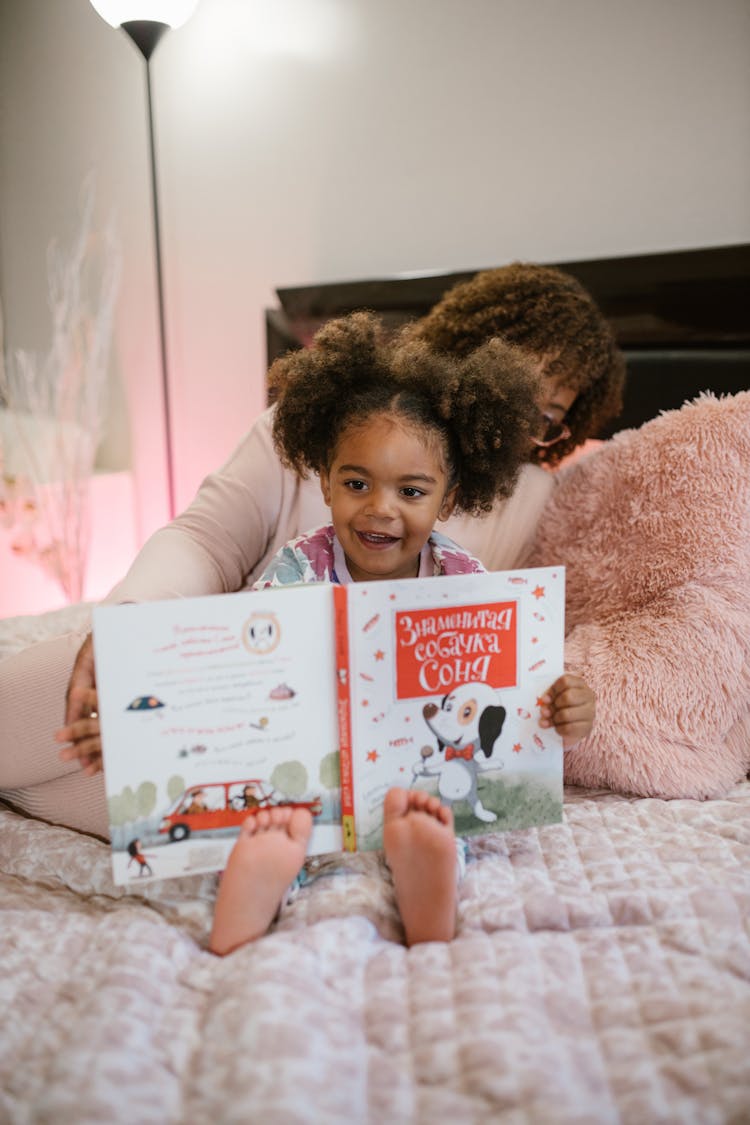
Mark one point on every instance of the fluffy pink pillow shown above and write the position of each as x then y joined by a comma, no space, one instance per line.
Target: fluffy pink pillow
654,531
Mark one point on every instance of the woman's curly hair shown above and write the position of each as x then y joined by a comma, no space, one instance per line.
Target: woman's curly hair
548,314
481,408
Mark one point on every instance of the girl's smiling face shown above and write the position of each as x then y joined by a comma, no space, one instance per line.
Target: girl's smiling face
387,486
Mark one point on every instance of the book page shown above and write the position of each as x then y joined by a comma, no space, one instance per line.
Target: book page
213,708
445,678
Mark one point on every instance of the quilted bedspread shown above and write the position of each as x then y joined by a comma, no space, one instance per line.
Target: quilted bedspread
601,973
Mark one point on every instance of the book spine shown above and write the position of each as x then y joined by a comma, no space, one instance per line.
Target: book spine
341,609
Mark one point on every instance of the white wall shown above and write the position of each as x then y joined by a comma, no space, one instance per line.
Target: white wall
314,140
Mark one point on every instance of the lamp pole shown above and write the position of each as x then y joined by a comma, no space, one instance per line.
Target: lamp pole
146,34
145,22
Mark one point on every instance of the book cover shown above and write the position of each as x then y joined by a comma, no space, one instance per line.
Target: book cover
444,680
213,708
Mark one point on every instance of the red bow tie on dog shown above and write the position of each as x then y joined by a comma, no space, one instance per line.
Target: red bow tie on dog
467,753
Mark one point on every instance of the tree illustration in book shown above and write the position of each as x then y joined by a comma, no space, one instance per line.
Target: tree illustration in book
323,697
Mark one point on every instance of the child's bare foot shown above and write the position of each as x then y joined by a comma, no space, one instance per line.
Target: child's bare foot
268,854
420,848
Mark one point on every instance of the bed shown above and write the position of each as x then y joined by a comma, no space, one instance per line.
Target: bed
601,971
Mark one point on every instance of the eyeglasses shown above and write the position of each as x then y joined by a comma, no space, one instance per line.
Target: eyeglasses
550,431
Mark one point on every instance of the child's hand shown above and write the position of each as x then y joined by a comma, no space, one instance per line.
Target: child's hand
569,707
81,728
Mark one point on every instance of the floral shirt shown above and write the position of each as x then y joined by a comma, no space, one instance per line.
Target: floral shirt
318,557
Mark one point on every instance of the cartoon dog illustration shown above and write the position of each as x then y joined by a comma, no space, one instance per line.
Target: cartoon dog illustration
467,724
261,633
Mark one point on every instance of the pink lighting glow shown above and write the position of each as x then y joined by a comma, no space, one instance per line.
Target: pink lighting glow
24,586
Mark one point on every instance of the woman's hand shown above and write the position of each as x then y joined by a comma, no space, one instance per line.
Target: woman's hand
81,728
568,706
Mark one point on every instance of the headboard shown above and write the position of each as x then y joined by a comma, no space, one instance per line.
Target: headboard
681,318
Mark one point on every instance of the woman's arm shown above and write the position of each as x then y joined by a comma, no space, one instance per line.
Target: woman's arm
240,517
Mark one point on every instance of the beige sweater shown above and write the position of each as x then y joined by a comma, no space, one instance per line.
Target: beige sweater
245,512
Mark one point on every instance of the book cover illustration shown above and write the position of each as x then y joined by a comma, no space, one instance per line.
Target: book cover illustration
211,709
444,680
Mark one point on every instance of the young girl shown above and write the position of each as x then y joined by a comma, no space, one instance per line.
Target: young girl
400,438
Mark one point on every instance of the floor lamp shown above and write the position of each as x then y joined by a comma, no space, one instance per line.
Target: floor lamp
145,22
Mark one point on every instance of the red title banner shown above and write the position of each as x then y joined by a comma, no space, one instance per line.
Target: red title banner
438,649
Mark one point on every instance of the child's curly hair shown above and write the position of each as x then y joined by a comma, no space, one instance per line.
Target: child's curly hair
481,407
548,314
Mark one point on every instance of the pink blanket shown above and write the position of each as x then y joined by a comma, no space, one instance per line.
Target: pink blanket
601,974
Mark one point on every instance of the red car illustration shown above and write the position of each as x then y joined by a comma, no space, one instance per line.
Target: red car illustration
224,804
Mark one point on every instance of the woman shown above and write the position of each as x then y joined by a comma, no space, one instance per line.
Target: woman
246,511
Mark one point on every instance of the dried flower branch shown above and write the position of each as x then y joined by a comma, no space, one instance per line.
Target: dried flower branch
55,408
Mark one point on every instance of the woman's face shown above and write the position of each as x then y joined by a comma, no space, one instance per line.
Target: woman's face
554,404
557,400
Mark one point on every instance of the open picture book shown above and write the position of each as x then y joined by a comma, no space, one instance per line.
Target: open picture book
323,696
